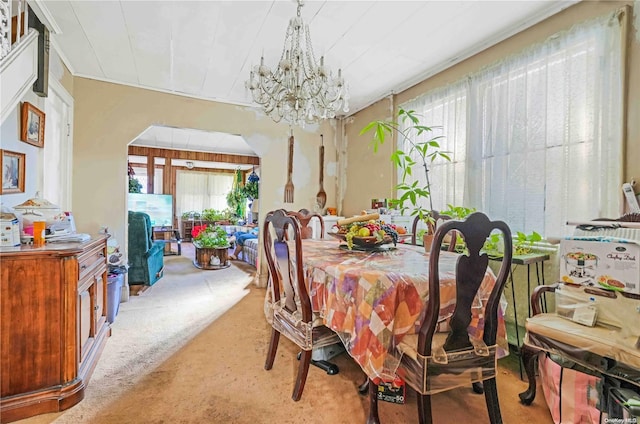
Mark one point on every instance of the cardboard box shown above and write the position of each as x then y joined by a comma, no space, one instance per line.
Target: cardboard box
391,391
602,262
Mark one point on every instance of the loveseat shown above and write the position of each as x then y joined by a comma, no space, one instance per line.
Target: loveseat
250,252
249,249
146,256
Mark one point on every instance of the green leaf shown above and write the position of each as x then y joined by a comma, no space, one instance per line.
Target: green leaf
368,127
535,237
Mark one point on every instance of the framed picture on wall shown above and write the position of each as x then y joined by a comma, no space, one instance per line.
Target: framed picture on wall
13,164
32,128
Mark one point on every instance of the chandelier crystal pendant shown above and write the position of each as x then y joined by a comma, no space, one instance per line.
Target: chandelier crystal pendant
299,90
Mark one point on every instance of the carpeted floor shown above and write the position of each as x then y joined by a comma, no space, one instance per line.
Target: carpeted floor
191,349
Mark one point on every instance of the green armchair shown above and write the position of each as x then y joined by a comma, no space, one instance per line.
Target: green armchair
146,257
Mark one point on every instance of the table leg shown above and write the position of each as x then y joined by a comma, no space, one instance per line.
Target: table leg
515,319
539,272
373,417
515,308
326,366
528,291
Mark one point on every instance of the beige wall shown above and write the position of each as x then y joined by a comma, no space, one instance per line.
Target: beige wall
67,79
109,116
378,169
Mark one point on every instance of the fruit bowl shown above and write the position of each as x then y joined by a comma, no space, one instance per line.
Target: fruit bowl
370,241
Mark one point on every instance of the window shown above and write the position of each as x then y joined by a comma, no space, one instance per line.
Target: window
535,140
196,191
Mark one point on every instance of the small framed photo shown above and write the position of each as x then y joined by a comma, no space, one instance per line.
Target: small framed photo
12,171
32,128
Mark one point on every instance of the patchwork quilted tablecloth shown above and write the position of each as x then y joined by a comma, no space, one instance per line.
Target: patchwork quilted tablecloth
372,299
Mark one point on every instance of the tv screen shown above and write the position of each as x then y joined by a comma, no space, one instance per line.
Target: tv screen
159,207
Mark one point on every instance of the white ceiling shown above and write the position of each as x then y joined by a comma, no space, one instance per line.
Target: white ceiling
206,49
194,140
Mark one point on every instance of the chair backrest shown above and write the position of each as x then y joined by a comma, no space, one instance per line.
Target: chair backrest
287,279
470,272
140,230
431,228
304,217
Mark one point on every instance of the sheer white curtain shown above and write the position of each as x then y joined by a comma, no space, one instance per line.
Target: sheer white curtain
196,190
543,133
445,111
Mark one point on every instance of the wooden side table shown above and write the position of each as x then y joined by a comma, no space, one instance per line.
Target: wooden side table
537,260
169,236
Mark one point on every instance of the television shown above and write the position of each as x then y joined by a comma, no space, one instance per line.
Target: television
159,207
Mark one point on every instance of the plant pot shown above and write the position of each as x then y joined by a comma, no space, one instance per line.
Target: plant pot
427,240
205,254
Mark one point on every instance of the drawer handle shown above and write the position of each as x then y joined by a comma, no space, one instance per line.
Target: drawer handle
101,255
83,267
95,308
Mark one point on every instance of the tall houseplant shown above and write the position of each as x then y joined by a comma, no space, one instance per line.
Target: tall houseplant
237,197
420,145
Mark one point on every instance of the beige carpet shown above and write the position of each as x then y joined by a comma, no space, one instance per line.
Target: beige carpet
191,349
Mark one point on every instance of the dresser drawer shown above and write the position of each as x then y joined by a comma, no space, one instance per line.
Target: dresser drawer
91,260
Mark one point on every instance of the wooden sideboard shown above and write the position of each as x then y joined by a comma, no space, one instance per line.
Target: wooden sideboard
53,306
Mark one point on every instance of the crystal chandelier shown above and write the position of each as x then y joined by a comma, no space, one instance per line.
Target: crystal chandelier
299,90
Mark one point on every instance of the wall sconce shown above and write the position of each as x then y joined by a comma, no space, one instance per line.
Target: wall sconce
189,165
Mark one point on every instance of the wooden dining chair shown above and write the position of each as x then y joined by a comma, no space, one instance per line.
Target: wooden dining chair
431,228
304,217
290,308
432,362
542,330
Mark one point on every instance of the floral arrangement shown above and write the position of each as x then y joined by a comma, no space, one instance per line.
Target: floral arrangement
211,237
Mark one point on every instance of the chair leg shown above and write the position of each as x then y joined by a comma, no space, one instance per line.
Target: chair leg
373,417
529,356
273,346
477,388
491,398
363,389
303,370
424,409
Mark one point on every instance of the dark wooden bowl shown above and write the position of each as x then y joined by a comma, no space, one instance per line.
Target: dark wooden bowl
370,241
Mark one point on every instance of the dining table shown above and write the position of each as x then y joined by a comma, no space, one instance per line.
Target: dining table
372,298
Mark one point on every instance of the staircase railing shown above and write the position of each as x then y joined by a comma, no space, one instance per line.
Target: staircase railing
7,23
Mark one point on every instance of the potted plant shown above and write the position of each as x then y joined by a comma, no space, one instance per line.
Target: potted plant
420,145
190,215
251,188
523,244
212,248
457,212
134,184
237,197
213,215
